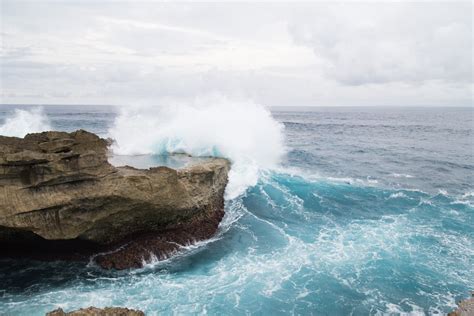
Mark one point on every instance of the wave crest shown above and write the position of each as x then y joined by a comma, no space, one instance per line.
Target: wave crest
242,131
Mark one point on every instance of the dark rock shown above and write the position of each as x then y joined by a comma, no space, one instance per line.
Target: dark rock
160,245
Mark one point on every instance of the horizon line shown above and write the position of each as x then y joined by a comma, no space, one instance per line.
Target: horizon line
270,106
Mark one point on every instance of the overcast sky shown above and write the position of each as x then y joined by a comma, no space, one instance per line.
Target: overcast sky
280,54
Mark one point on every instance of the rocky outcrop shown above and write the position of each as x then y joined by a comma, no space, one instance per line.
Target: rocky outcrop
465,307
93,311
60,195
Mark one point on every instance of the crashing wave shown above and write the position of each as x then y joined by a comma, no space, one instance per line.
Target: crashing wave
22,122
242,131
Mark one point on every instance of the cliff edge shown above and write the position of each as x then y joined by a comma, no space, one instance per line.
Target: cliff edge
59,196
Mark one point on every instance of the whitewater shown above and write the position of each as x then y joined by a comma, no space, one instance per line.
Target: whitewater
362,211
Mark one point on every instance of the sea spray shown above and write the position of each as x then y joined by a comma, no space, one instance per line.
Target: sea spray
242,131
22,122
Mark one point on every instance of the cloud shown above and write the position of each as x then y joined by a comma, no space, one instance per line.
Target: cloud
274,53
380,43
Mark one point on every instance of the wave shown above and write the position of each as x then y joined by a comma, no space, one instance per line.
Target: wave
22,122
385,255
397,195
401,175
242,131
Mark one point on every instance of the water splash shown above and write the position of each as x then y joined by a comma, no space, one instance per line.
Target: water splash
22,122
242,131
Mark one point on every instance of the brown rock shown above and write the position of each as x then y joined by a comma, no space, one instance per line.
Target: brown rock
93,311
59,194
465,307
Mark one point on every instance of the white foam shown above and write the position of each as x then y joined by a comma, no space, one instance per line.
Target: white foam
22,122
242,131
465,199
468,194
397,195
402,175
372,181
464,202
443,192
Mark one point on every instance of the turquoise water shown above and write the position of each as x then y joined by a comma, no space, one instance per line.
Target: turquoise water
370,213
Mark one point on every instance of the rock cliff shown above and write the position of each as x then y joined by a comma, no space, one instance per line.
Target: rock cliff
60,195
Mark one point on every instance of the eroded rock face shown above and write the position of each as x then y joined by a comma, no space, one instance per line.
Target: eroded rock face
58,193
93,311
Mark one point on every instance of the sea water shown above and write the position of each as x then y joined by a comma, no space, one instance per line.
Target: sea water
329,211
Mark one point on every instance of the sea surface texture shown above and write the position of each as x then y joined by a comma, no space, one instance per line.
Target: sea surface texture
369,211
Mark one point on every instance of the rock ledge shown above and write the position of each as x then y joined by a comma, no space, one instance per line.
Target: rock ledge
61,198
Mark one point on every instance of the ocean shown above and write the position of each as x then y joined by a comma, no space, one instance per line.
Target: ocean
329,211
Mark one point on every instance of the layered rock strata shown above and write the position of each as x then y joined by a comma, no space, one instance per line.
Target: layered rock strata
60,197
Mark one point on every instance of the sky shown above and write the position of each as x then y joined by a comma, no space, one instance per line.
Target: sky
276,54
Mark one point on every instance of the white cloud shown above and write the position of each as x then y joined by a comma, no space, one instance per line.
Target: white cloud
275,53
377,43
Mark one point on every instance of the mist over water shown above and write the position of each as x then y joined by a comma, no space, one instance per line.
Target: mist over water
366,211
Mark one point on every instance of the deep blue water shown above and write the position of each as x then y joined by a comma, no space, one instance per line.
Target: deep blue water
371,213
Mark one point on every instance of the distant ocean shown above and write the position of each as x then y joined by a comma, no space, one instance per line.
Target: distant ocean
330,211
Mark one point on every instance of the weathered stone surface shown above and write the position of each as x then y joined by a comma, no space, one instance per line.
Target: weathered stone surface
161,245
465,307
58,193
93,311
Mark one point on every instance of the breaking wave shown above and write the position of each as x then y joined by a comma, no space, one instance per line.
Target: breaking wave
22,122
242,131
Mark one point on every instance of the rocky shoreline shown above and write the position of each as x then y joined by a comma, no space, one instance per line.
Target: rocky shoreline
60,198
93,311
465,307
